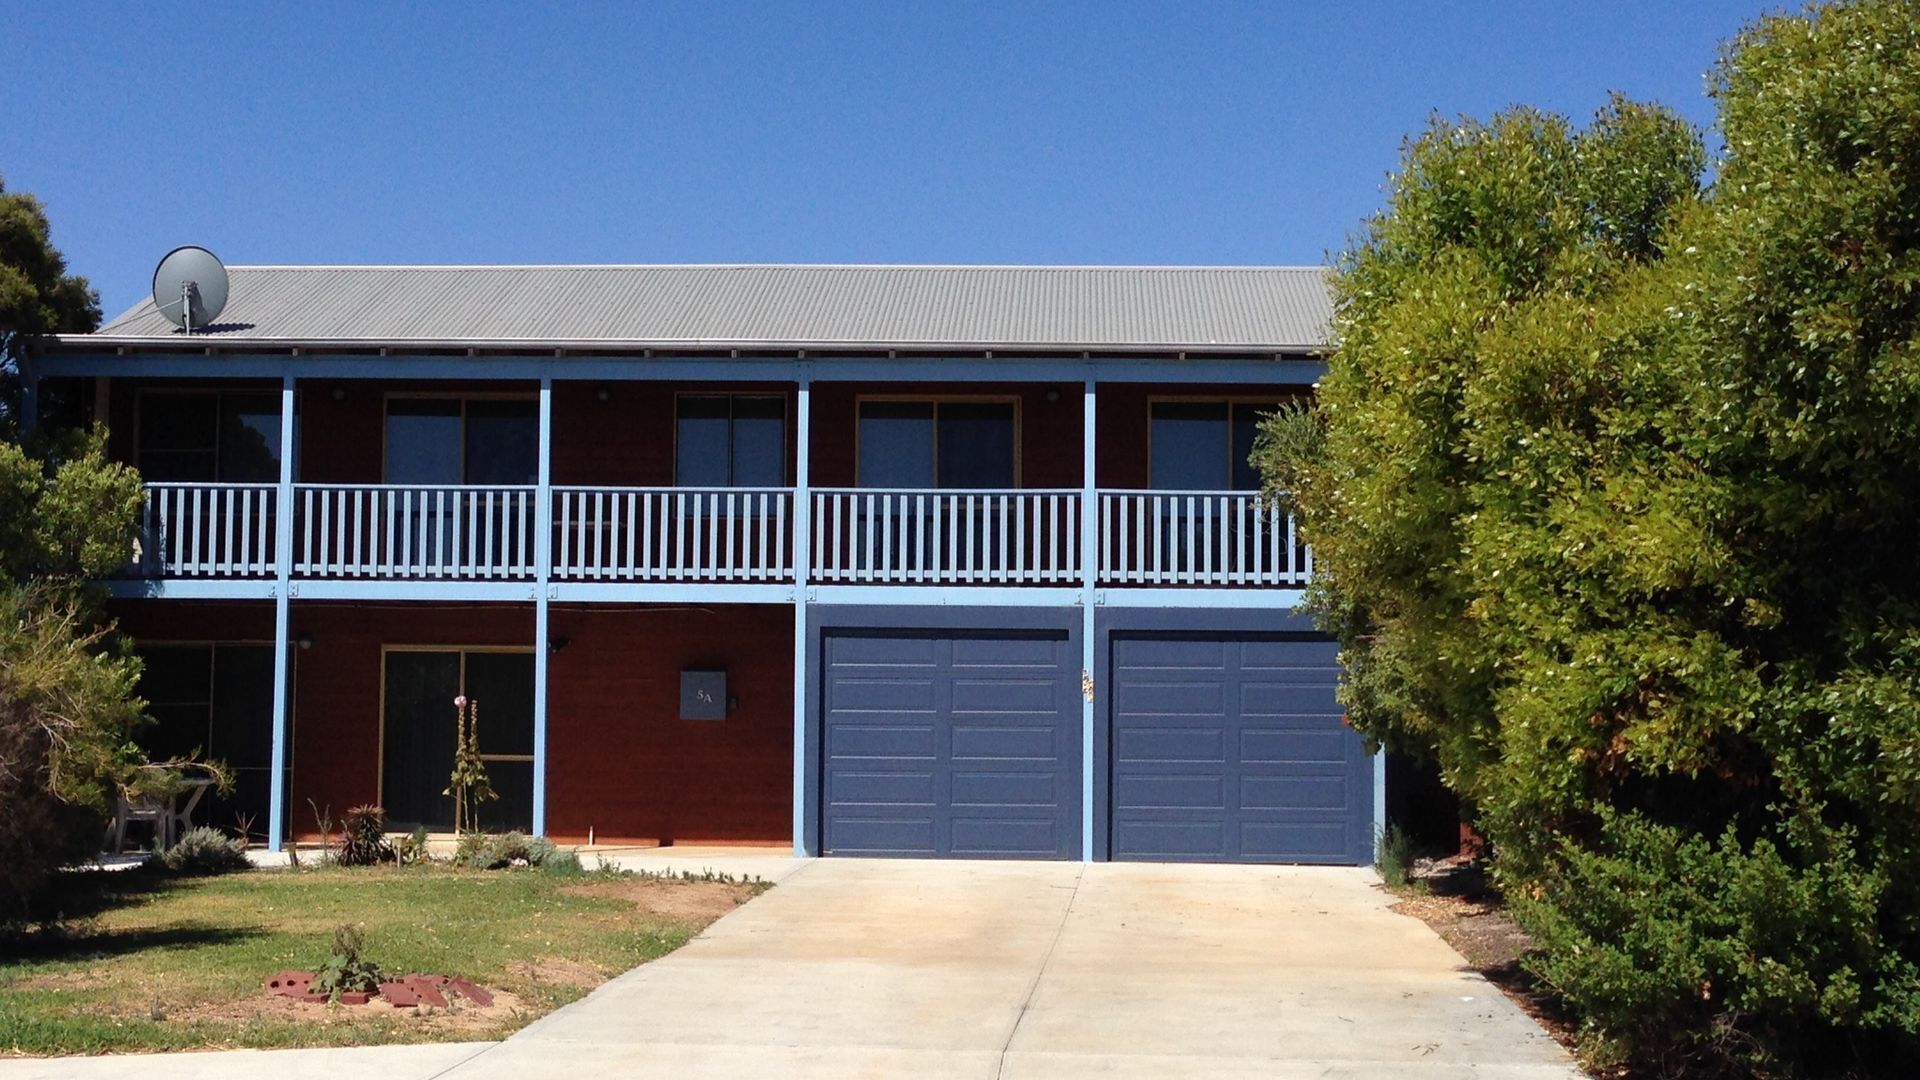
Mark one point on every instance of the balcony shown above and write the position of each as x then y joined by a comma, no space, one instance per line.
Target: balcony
208,533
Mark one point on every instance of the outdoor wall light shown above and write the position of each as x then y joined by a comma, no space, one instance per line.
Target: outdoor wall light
604,394
304,640
1053,395
557,643
339,394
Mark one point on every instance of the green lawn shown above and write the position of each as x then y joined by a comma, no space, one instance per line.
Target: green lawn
142,961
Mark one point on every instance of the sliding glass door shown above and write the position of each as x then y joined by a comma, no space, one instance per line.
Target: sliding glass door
419,731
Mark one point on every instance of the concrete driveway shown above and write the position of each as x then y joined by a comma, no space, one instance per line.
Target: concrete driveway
858,968
855,968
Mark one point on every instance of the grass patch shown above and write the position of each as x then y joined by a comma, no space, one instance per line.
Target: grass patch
141,960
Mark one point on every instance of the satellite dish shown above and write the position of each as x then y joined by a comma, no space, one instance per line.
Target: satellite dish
190,287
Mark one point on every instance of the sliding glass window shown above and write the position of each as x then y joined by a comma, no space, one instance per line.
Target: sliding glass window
730,440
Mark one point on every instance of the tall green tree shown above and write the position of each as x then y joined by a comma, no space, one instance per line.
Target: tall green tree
1614,486
67,516
37,295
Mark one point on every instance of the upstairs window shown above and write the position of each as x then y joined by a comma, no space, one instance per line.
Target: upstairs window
937,444
451,440
730,440
1204,445
208,436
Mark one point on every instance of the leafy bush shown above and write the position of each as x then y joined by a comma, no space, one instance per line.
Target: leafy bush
412,848
204,850
1611,490
494,851
363,837
345,969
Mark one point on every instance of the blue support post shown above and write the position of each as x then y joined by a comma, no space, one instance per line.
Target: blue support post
282,616
1379,800
1089,579
802,554
542,588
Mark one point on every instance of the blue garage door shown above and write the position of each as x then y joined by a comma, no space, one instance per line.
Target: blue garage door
1232,749
950,744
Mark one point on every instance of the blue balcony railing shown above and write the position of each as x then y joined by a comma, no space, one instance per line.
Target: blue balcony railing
1028,537
205,531
414,532
673,534
946,537
1199,538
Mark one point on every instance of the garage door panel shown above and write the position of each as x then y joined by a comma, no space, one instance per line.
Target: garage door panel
1169,839
1036,697
1005,837
1166,655
880,741
1283,745
1318,657
1293,793
1165,743
1172,792
949,744
1294,842
976,788
854,788
1183,698
851,651
1040,654
981,741
885,697
1233,749
857,835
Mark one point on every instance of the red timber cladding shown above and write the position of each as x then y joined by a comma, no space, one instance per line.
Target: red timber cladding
620,759
624,764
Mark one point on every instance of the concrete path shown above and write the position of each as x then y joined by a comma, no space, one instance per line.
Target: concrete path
1005,971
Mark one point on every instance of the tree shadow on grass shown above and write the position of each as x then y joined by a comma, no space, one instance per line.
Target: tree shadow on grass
60,924
63,943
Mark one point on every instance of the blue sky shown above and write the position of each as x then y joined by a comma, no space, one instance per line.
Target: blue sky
776,132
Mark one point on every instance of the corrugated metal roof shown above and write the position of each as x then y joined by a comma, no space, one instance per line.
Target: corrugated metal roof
1079,307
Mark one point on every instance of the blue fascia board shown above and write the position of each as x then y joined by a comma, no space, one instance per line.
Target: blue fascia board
480,591
1229,598
191,589
691,369
937,596
669,592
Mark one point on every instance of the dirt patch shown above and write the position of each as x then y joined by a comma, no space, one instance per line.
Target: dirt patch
461,1019
1455,899
559,971
699,902
59,980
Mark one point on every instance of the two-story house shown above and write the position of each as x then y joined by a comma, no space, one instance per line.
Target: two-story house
941,561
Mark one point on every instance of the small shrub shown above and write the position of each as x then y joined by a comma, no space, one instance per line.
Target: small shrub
411,849
204,850
1395,857
562,864
363,837
345,968
493,851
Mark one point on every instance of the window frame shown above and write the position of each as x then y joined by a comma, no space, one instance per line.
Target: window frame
786,434
936,400
218,394
387,398
380,758
1263,402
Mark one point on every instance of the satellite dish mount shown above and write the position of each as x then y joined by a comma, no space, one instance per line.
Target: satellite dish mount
190,287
